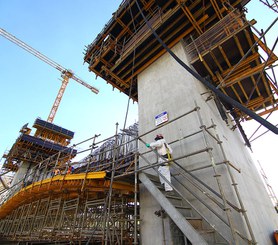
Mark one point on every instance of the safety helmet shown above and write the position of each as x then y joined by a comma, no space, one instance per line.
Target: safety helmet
158,137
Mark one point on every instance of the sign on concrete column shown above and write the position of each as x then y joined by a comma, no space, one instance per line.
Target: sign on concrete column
161,118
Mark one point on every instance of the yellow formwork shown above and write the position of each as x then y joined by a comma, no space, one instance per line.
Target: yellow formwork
71,184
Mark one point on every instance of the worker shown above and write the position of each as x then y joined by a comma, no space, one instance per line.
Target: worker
164,151
70,170
57,171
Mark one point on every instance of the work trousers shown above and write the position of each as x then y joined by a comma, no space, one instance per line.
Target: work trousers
165,172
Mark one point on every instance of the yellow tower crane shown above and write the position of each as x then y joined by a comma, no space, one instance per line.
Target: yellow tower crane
66,74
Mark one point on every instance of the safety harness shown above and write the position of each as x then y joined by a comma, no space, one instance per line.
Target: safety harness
168,155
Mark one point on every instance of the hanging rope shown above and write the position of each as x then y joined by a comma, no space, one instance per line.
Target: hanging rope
132,73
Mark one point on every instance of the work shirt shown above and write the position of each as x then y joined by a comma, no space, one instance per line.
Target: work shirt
160,146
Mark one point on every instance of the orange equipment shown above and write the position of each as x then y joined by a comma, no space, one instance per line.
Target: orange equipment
276,236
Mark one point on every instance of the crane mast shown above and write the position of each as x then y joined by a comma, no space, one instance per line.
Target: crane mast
66,74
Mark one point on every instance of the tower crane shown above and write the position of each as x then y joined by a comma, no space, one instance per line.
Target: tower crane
66,74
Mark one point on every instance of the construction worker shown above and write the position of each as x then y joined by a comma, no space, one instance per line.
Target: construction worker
57,171
164,151
70,170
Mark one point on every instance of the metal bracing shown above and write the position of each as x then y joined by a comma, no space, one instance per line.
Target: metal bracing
215,28
229,166
76,214
186,231
217,176
271,4
270,191
107,215
136,210
73,220
52,218
214,200
69,218
91,227
193,235
94,214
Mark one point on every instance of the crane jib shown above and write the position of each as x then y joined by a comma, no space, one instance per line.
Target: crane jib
66,73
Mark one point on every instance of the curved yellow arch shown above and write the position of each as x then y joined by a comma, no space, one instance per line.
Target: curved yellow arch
72,184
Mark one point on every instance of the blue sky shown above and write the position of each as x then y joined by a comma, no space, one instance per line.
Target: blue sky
61,30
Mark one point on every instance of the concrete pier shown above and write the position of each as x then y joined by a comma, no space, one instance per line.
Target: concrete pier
166,86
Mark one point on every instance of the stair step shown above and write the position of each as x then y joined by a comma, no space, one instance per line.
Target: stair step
208,235
206,231
153,177
181,213
173,197
160,187
194,218
182,207
173,213
156,181
197,223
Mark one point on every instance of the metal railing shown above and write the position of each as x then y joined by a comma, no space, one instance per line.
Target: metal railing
119,155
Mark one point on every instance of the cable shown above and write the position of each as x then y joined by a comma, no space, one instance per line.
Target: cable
224,97
133,63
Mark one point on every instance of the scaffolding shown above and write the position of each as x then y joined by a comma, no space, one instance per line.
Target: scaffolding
271,4
93,206
189,187
48,142
84,205
97,201
269,188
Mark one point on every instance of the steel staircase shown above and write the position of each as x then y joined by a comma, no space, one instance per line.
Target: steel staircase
194,227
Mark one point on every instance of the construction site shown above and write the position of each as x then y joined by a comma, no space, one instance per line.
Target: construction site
198,70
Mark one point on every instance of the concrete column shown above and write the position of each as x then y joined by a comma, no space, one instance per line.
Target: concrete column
166,86
20,174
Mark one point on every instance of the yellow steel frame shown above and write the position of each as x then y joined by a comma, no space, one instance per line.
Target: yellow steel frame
61,184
